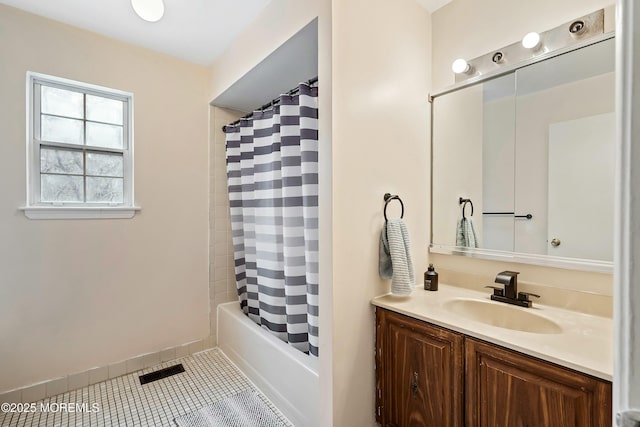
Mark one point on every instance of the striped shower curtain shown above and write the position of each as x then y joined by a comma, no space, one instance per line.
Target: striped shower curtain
272,170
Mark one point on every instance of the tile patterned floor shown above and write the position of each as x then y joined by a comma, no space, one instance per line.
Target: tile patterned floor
123,402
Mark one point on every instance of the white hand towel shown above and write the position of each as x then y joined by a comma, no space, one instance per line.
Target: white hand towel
403,278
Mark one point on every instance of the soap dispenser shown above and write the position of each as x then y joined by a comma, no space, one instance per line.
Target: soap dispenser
430,279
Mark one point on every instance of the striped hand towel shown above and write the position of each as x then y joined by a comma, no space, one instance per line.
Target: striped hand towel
395,257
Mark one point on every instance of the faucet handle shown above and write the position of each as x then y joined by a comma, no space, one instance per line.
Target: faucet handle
507,278
497,290
524,296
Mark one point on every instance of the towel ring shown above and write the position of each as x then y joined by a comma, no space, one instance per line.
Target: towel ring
387,198
464,202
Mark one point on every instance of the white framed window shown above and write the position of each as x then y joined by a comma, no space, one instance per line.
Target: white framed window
79,150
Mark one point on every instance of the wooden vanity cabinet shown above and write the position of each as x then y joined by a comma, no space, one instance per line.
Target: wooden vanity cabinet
510,389
419,373
429,376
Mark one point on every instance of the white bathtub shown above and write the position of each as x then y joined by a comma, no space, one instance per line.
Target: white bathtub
288,377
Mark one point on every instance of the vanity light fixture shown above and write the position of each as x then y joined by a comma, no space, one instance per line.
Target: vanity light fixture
460,66
149,10
531,40
532,45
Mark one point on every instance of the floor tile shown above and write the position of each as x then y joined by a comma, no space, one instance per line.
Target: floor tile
209,376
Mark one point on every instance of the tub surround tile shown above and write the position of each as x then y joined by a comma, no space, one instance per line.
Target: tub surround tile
57,386
97,375
11,397
221,297
221,213
231,276
182,351
151,359
221,226
220,286
214,339
220,236
78,380
196,346
220,273
135,364
221,260
117,369
34,393
209,342
222,265
221,247
168,354
213,324
114,370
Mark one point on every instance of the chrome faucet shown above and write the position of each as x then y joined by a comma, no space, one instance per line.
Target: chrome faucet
509,292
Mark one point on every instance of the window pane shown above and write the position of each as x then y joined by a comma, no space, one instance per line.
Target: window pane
106,110
99,135
56,129
61,188
105,190
61,102
60,161
105,164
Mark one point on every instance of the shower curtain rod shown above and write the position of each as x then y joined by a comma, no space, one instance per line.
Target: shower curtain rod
272,103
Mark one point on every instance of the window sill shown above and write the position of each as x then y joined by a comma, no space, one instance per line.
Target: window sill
80,212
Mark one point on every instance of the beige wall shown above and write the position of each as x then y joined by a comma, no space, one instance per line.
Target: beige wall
470,28
85,293
381,75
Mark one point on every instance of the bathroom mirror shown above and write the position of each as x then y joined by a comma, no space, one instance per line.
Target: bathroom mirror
533,150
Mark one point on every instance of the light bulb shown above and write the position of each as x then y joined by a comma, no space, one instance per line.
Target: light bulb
531,40
149,10
460,66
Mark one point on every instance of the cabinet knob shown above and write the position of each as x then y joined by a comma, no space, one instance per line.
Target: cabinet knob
555,242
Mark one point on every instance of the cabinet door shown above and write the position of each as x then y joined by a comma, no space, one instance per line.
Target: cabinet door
420,373
508,389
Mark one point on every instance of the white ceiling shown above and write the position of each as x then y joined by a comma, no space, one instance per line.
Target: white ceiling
194,30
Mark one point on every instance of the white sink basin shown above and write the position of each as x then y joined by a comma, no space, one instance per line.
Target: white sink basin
503,316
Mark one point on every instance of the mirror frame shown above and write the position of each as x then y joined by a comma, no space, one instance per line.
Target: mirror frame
507,256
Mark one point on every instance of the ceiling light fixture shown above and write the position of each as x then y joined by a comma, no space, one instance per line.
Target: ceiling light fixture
531,40
149,10
460,66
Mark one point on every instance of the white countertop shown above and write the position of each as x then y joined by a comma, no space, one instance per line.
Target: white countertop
584,344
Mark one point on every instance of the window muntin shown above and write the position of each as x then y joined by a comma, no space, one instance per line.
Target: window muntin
80,144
